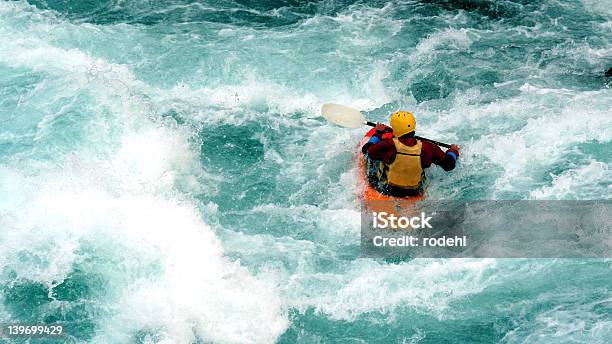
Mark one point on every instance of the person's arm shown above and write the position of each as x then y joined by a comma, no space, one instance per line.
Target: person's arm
447,160
381,129
384,151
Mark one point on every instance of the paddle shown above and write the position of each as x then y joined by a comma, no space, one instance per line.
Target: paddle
347,117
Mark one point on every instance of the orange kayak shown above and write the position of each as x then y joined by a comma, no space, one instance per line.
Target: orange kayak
364,189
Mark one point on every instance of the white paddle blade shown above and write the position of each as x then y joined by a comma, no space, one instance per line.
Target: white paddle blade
343,115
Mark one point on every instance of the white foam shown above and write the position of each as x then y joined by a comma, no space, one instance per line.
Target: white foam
599,7
457,39
584,182
543,90
581,323
238,99
552,123
425,285
172,277
196,291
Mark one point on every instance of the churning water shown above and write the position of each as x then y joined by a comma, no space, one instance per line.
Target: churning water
165,176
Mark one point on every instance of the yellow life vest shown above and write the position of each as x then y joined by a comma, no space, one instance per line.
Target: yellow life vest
405,172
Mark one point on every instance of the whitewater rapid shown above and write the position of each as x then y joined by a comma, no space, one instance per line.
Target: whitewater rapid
165,175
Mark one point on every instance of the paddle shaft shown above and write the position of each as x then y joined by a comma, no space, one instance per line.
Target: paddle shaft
441,144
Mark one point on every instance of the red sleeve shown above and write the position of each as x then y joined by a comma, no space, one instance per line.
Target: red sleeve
383,150
431,153
437,155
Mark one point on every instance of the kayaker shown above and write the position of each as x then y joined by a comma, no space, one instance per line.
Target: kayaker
400,159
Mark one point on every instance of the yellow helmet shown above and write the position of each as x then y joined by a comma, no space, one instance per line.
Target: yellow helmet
402,123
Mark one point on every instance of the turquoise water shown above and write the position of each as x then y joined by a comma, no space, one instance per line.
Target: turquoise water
165,176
